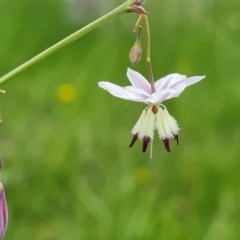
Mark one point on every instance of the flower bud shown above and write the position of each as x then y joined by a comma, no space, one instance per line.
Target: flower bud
135,53
3,212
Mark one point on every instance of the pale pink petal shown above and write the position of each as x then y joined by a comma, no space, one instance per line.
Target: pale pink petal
192,80
159,97
177,83
168,81
138,81
121,92
137,90
181,85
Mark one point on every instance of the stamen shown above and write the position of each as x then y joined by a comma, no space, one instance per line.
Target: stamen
134,139
146,141
176,139
166,144
151,150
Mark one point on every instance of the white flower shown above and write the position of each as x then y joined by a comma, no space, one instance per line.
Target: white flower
155,116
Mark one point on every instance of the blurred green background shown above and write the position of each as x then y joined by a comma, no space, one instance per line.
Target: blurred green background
68,172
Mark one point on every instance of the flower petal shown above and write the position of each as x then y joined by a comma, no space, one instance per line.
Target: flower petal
160,96
176,82
138,81
121,92
166,125
192,80
181,85
168,81
137,91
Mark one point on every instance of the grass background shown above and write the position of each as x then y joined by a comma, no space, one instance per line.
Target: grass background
68,172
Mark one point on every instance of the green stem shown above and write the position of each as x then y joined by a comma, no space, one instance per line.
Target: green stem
149,65
71,38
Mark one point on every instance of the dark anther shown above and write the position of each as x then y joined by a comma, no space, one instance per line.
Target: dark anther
134,139
166,144
146,141
176,139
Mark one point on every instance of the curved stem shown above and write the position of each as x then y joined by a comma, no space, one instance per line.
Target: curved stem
71,38
138,23
149,65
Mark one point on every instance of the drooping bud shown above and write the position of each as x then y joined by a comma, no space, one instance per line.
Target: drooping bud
135,53
3,212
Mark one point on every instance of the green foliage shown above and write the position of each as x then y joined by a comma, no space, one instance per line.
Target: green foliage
68,172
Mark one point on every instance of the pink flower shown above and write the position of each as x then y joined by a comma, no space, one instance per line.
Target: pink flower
155,116
3,212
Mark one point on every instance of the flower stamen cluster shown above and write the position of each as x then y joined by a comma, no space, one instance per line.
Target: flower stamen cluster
155,116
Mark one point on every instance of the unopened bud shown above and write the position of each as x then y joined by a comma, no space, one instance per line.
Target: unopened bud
3,212
135,53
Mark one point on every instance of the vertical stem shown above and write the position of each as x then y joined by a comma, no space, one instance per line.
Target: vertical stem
138,40
138,23
149,65
150,73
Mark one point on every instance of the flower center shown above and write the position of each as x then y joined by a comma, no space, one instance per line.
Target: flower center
154,109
